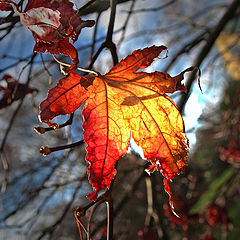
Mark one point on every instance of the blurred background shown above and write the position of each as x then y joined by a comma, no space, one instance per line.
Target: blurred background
39,194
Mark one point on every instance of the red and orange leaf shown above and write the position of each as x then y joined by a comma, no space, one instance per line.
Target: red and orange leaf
66,97
126,103
52,24
139,59
106,132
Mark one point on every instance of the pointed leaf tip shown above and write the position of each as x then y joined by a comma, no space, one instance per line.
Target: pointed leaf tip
92,196
65,98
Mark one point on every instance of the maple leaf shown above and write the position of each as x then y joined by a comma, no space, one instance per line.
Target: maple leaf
13,91
121,104
52,24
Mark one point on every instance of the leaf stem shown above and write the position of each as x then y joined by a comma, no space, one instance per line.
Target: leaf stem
80,226
46,150
78,68
96,205
42,130
149,201
110,218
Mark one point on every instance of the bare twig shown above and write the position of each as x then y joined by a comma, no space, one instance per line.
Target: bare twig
229,14
46,69
108,43
36,192
99,6
50,230
78,68
186,49
14,21
127,195
110,217
94,35
124,28
98,203
5,163
149,201
86,6
14,64
158,209
42,130
46,150
156,9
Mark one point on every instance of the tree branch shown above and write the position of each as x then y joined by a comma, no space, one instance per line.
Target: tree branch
11,122
46,150
228,15
98,6
42,130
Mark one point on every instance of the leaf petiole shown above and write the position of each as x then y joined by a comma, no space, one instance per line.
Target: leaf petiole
44,150
78,68
42,130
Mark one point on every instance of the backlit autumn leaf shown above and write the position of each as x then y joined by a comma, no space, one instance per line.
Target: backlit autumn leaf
121,104
52,24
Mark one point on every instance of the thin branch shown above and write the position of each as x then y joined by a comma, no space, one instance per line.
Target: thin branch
78,68
38,211
127,195
46,69
186,49
228,15
94,35
158,209
91,216
126,23
108,42
113,4
110,218
99,6
96,56
42,130
5,163
46,150
36,191
149,201
156,9
14,64
14,21
50,230
86,6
